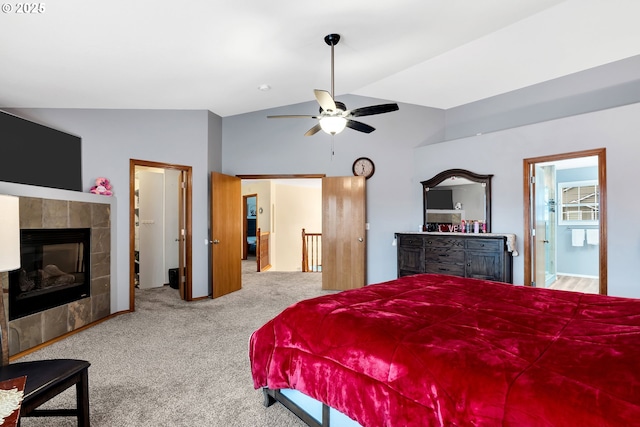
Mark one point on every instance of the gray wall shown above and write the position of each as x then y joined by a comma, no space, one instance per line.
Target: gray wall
111,137
253,144
501,153
405,154
599,110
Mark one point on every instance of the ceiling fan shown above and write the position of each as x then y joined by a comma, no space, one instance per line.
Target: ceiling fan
334,115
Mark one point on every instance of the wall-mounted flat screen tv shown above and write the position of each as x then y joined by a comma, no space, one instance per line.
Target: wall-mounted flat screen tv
33,154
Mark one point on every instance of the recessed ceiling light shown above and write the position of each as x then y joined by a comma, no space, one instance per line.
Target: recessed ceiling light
264,87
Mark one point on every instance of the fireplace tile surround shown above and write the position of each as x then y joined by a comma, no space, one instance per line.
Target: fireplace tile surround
30,331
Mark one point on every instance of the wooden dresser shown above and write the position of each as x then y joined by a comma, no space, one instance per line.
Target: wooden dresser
480,256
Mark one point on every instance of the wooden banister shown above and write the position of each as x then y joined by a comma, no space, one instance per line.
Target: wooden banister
311,252
262,250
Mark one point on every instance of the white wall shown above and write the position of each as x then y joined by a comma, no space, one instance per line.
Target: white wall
171,221
151,230
296,208
501,154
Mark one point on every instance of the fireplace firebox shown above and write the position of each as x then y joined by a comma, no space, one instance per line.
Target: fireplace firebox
54,270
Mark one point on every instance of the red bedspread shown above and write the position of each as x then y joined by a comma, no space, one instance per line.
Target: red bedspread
434,350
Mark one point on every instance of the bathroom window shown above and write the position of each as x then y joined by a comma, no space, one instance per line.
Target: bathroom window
579,203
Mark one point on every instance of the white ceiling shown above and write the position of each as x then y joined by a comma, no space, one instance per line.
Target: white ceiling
210,54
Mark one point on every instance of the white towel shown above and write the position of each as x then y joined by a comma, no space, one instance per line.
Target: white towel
593,236
577,237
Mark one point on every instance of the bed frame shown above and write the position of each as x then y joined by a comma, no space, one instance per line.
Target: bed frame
294,401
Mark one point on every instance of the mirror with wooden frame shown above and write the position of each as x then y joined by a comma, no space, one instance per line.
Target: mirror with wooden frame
455,195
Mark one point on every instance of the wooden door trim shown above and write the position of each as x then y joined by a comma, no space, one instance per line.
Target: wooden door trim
182,242
285,176
188,223
602,182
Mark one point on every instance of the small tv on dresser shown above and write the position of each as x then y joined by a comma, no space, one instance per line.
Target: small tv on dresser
34,154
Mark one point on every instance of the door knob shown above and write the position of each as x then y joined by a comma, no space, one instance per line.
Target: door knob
216,241
360,239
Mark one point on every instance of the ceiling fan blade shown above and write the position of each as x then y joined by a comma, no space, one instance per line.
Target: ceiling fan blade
325,100
292,116
374,109
313,130
359,126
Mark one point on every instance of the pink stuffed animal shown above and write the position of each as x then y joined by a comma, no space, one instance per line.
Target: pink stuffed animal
102,187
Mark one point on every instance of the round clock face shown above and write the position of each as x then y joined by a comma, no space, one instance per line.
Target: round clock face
363,167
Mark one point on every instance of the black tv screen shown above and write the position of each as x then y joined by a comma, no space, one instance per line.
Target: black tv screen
439,199
33,154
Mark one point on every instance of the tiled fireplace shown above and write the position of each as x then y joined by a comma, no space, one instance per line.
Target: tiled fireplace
62,218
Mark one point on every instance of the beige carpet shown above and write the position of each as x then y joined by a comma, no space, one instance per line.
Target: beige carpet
173,363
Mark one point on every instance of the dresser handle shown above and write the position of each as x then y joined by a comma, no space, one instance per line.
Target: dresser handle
443,255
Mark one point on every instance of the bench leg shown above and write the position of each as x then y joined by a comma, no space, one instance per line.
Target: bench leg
82,399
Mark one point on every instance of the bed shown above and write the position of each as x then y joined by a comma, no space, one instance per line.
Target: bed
436,350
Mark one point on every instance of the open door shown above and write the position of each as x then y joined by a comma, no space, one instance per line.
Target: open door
343,233
184,200
226,234
540,214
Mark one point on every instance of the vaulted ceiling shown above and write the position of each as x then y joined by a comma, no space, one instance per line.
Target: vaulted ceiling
214,55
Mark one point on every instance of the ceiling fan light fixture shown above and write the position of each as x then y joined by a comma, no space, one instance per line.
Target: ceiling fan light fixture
333,115
333,125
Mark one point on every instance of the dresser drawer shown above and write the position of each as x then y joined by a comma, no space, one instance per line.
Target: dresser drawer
447,255
409,240
444,242
485,244
443,268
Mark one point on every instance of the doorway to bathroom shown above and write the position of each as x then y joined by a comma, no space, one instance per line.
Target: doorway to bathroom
565,222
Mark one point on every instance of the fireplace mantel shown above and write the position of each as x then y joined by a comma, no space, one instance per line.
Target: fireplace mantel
42,213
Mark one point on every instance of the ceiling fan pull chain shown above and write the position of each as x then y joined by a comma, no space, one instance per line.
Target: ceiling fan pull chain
333,153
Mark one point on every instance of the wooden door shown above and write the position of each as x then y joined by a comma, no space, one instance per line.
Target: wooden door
343,233
226,234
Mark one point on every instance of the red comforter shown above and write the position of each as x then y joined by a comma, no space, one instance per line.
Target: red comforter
434,350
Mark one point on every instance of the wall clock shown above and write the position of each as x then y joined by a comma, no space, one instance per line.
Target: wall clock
363,166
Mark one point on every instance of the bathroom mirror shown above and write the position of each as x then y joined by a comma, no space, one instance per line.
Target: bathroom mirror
455,195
